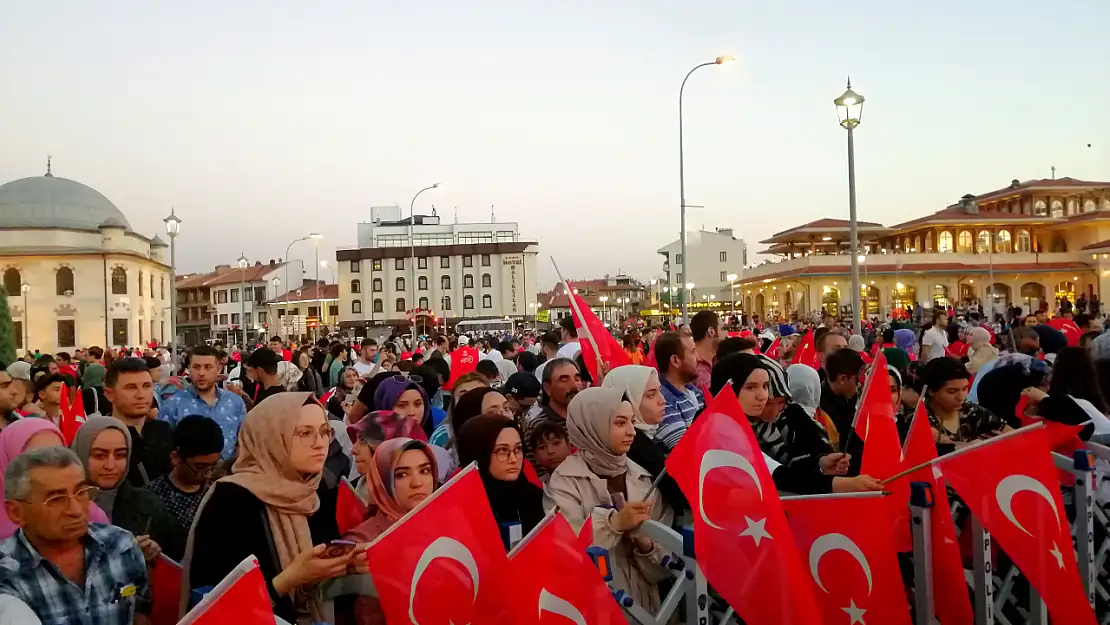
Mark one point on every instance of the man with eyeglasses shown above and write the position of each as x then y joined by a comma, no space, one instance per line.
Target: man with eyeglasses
64,568
197,443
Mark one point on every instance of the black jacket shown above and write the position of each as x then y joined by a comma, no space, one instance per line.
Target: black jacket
141,512
843,413
653,458
150,452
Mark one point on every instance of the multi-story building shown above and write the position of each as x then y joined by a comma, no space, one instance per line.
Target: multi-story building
1028,244
311,309
612,298
461,271
194,309
714,256
227,301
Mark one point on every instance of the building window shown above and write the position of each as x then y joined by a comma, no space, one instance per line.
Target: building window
422,262
422,303
984,242
119,332
259,295
917,244
398,263
1057,208
379,306
965,243
1022,246
446,302
468,261
468,302
400,305
376,265
444,262
246,294
355,268
1002,242
119,282
422,283
246,322
445,282
929,242
678,278
723,257
152,294
487,280
296,311
141,291
17,330
313,311
356,286
485,260
399,284
724,276
13,282
63,280
678,259
234,296
234,319
67,333
944,241
261,317
333,310
487,301
468,281
223,319
376,285
356,306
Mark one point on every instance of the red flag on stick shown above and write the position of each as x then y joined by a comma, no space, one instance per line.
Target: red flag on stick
595,336
165,585
550,574
427,571
1009,482
775,348
806,354
70,421
743,542
882,451
350,509
240,598
860,581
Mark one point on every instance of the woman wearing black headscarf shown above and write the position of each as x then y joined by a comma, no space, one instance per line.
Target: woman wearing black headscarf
494,443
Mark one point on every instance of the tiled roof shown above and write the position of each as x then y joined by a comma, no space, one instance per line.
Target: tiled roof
914,268
308,293
226,275
826,224
1042,183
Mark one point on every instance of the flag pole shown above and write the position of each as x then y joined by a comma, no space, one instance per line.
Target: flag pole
860,495
655,484
544,522
578,314
970,447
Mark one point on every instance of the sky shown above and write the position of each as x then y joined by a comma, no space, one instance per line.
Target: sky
263,120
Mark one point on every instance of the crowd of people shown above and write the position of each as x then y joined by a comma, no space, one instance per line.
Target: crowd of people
235,453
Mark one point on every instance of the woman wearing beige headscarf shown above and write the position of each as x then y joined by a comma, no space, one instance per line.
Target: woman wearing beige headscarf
979,351
600,425
268,507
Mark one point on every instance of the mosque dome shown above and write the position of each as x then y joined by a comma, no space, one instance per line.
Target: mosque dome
52,202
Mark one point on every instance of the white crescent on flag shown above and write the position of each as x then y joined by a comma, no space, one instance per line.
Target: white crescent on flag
557,605
834,542
442,547
1014,484
717,459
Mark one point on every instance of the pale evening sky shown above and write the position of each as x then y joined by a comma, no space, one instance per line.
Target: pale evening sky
262,121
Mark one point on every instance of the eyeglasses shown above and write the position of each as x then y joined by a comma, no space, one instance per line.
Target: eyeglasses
201,469
309,437
84,495
400,377
503,453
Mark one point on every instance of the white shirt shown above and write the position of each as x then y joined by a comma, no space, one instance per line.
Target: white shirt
364,369
935,340
570,350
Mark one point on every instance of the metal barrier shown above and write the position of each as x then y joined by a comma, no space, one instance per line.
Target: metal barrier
689,583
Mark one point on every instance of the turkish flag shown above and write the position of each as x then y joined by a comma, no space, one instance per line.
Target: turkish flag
860,581
550,575
586,534
463,361
806,354
1068,327
350,509
430,571
608,349
73,414
165,586
240,598
1010,484
950,598
882,451
743,543
775,348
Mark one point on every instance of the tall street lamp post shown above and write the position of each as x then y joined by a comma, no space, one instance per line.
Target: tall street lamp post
173,227
26,288
412,256
685,264
604,306
849,108
242,299
732,290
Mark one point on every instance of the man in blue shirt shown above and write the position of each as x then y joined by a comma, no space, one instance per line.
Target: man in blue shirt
64,568
678,369
204,398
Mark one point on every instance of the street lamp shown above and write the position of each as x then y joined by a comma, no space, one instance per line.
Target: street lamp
315,236
732,290
26,288
331,274
289,247
604,306
243,262
721,60
412,255
173,227
849,110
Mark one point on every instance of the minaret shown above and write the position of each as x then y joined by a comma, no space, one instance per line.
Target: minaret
49,174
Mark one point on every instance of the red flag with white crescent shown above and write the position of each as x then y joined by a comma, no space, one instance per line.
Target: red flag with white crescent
743,545
431,572
240,598
1010,484
806,354
882,451
850,554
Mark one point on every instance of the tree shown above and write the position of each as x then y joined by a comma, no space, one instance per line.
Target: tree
7,331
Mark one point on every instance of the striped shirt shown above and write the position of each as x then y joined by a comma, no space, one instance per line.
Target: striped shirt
682,406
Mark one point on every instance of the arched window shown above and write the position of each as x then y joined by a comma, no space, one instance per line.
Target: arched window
445,282
468,302
487,280
356,286
63,280
468,281
141,287
152,294
379,306
1057,209
400,305
13,282
984,242
446,302
1002,243
1089,206
944,242
356,306
400,284
1040,208
487,301
929,242
422,303
422,283
965,243
906,246
119,281
917,244
376,285
1022,243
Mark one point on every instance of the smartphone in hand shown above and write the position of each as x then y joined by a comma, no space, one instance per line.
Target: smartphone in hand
338,548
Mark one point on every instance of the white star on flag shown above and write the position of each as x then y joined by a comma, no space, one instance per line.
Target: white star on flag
1055,552
854,613
756,530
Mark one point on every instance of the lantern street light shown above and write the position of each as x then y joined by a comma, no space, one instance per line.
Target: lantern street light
721,60
412,256
243,262
604,306
173,227
849,109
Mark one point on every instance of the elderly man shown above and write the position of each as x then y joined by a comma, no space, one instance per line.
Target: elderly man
64,568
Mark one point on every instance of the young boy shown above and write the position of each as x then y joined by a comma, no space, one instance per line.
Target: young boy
550,445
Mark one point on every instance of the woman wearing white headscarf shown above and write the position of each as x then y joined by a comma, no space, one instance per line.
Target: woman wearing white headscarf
588,483
979,351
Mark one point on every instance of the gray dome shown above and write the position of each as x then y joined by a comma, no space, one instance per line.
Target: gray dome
52,202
